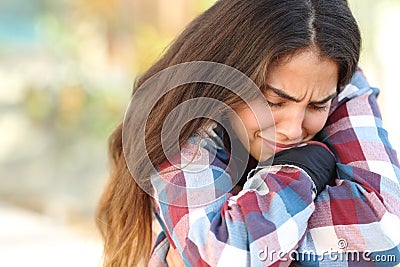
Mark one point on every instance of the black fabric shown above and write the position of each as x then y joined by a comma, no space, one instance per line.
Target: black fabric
251,163
316,160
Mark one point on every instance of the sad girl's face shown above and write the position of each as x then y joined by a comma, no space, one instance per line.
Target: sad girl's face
299,93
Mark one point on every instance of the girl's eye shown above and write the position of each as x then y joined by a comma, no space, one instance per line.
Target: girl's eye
312,107
320,108
276,105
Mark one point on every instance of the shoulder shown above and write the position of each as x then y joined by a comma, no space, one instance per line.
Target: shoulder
204,149
192,160
197,169
357,86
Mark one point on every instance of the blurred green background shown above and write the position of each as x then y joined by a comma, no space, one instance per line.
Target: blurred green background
66,73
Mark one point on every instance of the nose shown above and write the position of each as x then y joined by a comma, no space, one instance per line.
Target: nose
291,125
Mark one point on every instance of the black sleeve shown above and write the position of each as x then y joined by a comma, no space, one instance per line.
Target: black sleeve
314,159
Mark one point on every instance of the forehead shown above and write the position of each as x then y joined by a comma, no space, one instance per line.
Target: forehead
303,72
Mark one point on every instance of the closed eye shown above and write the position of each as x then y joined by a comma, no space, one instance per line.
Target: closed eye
314,107
275,105
323,108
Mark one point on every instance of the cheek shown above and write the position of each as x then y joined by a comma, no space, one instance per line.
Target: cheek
314,122
252,122
243,124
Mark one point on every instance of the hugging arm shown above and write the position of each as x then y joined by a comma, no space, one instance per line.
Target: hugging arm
258,227
315,159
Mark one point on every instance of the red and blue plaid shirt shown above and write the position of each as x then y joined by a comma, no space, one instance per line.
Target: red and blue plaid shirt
276,219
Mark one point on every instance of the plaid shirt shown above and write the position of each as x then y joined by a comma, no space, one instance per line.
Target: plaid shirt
276,219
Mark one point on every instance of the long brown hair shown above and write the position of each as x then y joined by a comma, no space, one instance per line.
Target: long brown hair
247,35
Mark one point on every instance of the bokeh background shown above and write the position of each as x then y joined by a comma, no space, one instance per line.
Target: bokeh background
66,73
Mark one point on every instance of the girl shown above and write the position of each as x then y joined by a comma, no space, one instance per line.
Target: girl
318,177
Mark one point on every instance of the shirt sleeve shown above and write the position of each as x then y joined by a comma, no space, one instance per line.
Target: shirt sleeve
358,219
210,227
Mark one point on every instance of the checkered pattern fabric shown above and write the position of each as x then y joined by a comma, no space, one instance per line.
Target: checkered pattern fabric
276,219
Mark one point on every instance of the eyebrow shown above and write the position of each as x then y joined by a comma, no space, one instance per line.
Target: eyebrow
291,98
